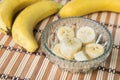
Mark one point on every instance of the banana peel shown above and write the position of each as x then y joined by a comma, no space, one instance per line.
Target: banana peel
84,7
8,10
22,29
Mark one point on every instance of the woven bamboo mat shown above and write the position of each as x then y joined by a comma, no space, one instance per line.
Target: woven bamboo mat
17,64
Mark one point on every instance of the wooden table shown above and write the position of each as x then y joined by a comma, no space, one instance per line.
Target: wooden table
16,64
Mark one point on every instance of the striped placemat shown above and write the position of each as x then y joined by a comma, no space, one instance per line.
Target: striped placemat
17,64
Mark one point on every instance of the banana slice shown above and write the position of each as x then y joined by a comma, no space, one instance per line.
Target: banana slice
57,51
70,46
94,50
65,32
80,56
86,35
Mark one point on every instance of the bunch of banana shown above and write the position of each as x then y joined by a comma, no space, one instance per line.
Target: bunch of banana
22,29
82,47
8,11
83,7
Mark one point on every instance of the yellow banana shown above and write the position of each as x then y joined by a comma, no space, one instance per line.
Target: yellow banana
8,10
22,30
83,7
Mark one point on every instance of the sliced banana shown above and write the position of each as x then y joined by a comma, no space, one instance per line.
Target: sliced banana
56,51
65,32
80,56
70,46
86,34
94,50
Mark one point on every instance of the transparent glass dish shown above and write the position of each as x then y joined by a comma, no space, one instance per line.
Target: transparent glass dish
49,39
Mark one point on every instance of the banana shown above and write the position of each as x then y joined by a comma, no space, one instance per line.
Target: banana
70,46
65,32
56,51
8,10
86,34
83,7
22,30
94,50
80,56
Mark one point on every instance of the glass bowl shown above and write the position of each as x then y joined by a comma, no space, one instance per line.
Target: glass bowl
49,39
